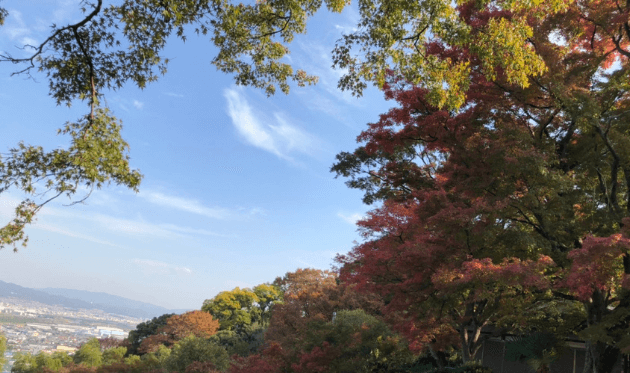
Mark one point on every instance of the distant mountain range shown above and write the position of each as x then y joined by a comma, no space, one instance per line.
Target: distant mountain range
85,299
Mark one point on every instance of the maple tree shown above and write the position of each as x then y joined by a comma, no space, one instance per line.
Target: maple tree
353,342
197,323
311,300
517,198
270,360
144,330
116,43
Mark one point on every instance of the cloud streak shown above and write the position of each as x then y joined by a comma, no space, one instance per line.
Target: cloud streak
188,205
173,94
131,227
51,228
16,30
278,137
154,267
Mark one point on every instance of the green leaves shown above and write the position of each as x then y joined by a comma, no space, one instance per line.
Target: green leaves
430,43
96,156
503,44
193,349
401,38
252,39
89,354
240,308
117,43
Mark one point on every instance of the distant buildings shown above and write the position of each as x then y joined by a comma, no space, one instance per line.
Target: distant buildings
34,327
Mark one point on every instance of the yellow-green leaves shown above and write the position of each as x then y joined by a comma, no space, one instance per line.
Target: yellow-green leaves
97,156
240,308
100,152
252,39
503,44
122,42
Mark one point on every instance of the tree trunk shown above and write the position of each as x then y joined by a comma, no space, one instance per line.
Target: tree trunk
439,357
600,357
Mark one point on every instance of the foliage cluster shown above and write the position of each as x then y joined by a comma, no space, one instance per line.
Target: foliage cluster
306,321
502,176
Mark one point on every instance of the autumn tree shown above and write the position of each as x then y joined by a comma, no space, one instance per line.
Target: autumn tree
522,182
116,43
312,298
196,323
144,330
270,360
352,342
243,315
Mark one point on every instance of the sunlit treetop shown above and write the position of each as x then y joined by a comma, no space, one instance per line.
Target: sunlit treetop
432,44
119,42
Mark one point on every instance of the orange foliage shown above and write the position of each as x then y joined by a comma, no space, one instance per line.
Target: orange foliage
198,323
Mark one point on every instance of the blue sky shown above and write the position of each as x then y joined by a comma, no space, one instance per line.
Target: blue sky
236,189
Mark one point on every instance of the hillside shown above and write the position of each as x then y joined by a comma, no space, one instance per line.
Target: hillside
84,299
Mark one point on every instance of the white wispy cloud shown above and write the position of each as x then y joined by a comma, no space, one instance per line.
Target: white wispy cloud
188,230
189,205
16,30
346,29
66,10
350,21
65,232
138,105
49,214
173,94
184,270
350,219
131,227
148,266
27,40
278,137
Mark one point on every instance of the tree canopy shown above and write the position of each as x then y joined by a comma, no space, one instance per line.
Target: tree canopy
523,182
503,172
239,308
145,330
177,327
116,43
